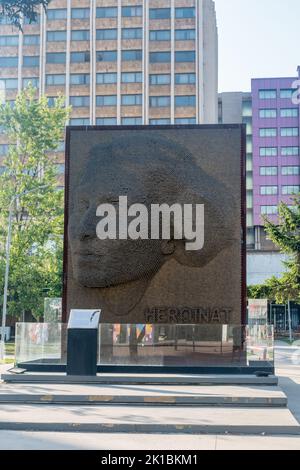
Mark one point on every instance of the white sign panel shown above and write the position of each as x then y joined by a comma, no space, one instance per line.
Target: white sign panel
86,319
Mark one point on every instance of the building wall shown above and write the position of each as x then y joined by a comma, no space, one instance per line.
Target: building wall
236,108
279,143
202,91
262,266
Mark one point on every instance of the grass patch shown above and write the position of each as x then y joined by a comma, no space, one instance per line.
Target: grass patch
10,348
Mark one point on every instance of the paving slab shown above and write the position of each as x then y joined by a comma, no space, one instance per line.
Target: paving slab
193,395
27,440
150,419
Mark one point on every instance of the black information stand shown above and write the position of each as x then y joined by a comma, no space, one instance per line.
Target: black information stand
83,342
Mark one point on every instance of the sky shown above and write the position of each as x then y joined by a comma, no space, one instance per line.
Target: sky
257,38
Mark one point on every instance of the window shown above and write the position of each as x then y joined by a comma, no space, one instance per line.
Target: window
5,20
79,121
60,168
247,108
268,132
9,40
160,35
106,34
160,13
33,80
79,79
268,113
289,132
55,79
159,57
80,13
289,112
132,11
56,57
106,56
131,100
159,101
268,152
31,61
159,122
78,57
132,77
185,78
185,12
106,121
10,83
189,100
80,35
103,12
268,190
56,36
268,171
4,149
132,121
290,189
185,34
80,101
185,56
289,151
191,120
31,40
267,94
290,170
287,93
57,14
160,79
132,33
51,100
268,210
104,78
132,55
106,100
8,61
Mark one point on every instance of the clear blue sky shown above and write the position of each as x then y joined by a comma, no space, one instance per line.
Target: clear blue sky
257,38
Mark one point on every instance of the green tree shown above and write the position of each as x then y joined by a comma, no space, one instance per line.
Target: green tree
34,130
16,9
286,235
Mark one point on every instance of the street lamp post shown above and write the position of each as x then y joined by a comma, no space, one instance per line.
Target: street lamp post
7,265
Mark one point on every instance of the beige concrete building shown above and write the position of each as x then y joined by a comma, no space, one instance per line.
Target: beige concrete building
118,61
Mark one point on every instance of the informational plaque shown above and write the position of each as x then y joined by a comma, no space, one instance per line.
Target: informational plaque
84,319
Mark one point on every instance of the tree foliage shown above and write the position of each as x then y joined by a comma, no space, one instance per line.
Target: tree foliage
16,9
34,130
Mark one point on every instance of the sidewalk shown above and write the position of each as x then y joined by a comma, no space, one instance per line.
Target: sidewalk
19,440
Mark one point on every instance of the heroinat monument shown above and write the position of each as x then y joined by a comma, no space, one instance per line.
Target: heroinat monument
143,269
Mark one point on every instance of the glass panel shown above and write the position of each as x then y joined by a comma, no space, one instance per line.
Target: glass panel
41,342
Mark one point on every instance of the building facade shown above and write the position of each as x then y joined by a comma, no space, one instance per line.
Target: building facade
117,62
273,162
236,107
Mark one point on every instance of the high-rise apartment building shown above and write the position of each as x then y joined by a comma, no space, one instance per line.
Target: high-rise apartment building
119,61
272,119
